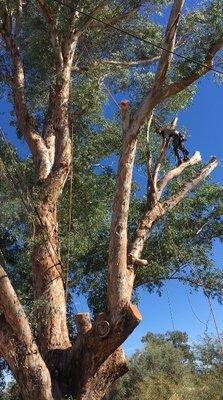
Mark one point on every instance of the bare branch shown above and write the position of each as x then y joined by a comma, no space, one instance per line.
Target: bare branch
159,161
142,61
182,84
188,186
151,192
26,122
48,130
13,310
155,94
130,63
169,43
174,173
160,209
150,118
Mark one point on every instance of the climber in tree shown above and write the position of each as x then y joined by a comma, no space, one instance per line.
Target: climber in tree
177,142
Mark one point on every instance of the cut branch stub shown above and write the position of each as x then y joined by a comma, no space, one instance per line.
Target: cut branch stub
83,323
125,113
136,261
134,311
102,326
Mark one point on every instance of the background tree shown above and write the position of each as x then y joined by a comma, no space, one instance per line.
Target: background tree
55,81
171,369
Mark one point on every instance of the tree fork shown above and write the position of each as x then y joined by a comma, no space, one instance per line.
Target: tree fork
78,369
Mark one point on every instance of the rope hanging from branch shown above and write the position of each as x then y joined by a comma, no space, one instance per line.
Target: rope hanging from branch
69,216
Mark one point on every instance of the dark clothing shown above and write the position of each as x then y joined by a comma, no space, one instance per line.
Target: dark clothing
177,142
166,133
184,151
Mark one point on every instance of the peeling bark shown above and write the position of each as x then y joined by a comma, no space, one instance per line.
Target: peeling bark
18,347
27,366
48,284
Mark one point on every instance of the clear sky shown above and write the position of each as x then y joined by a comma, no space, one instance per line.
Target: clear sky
204,122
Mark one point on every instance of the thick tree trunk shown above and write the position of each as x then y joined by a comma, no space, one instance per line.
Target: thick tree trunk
49,291
26,364
113,368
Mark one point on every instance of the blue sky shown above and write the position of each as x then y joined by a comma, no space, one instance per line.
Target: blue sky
204,122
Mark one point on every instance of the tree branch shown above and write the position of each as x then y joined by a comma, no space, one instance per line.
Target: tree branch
159,160
48,16
174,173
188,186
160,209
142,61
155,94
90,351
13,310
130,63
48,129
162,154
182,84
17,344
118,295
117,18
169,43
89,21
26,122
113,368
61,98
120,278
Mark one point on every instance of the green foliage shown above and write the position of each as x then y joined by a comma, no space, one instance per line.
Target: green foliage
97,144
168,368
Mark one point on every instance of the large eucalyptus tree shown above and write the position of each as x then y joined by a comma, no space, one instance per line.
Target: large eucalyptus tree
56,57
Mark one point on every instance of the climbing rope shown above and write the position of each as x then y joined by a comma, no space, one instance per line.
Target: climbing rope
166,288
170,308
214,318
69,215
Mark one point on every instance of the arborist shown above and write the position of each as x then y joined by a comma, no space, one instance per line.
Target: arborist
177,142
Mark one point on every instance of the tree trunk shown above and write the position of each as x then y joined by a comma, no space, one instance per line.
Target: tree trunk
113,368
49,291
